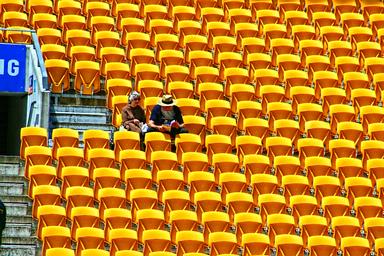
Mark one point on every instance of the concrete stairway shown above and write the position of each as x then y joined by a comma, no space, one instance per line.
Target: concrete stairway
80,113
19,234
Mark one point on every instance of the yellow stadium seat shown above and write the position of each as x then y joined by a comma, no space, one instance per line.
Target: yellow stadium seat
36,155
44,20
278,146
271,204
341,113
222,243
155,141
355,245
319,245
345,226
136,179
287,128
341,148
315,63
372,66
196,125
245,110
189,241
49,36
373,167
255,244
200,182
50,215
372,227
189,107
100,157
32,136
187,143
105,178
78,196
369,115
317,166
288,244
295,78
294,185
74,176
257,127
286,165
246,223
89,238
169,180
182,220
371,149
207,201
44,195
110,198
244,30
122,239
312,226
59,251
331,96
309,47
194,161
263,184
247,145
116,218
156,241
41,175
56,237
83,217
279,224
271,93
326,186
180,90
215,222
255,164
163,160
358,187
278,110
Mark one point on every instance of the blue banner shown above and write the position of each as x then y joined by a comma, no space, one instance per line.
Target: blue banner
12,67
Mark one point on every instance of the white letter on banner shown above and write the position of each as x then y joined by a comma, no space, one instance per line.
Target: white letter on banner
1,67
13,68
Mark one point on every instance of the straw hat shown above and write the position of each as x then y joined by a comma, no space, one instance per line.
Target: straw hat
166,101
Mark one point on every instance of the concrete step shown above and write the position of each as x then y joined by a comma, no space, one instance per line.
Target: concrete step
79,109
23,241
12,189
13,185
10,169
17,205
9,159
18,250
18,230
75,117
19,219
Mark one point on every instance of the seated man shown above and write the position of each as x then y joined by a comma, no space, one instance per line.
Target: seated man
132,114
166,117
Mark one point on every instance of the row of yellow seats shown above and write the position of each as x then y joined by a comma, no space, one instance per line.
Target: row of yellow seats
270,214
213,221
294,188
191,143
127,239
157,243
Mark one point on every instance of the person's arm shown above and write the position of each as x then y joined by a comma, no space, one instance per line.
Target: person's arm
142,117
152,119
126,119
179,116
